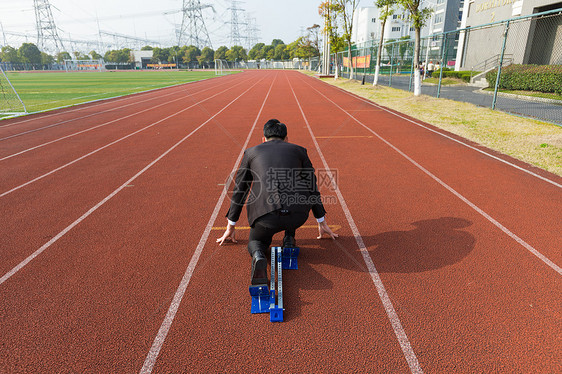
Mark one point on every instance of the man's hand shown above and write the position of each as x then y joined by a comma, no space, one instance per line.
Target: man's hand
228,235
323,228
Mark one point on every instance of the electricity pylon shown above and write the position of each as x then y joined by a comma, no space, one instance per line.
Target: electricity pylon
46,28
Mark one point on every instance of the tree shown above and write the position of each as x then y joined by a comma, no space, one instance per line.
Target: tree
206,57
301,48
9,54
80,56
119,56
46,59
147,48
313,37
292,48
29,53
276,42
61,56
281,52
389,46
191,53
345,9
125,55
386,9
220,53
327,11
95,55
110,56
256,52
236,53
419,16
160,55
268,52
403,47
174,52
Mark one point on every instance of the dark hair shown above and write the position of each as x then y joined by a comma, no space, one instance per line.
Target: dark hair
274,129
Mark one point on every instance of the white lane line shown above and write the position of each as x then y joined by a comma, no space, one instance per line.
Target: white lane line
106,123
112,143
99,102
172,310
526,245
409,353
22,264
449,137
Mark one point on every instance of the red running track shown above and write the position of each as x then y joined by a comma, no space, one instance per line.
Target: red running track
448,258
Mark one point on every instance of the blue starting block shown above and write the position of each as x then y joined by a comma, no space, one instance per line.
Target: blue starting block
290,258
260,298
270,300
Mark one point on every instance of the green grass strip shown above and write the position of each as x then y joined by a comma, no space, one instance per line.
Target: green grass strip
45,91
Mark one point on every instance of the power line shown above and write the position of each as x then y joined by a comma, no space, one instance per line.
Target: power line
121,40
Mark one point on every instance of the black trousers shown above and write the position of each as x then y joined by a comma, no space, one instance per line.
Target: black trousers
261,233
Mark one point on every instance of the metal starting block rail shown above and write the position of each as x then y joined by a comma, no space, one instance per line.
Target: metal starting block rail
270,300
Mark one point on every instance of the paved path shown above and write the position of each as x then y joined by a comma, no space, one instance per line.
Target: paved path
528,108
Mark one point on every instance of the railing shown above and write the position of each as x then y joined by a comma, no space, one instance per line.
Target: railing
490,63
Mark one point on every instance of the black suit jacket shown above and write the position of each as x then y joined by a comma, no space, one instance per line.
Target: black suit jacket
275,175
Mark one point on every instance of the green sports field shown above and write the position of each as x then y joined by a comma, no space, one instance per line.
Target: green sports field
43,91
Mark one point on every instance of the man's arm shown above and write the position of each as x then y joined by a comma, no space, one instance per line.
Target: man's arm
323,228
318,208
242,186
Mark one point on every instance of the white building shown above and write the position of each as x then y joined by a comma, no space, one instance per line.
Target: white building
367,25
141,58
536,42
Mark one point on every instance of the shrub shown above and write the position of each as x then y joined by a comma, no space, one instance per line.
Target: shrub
541,78
447,73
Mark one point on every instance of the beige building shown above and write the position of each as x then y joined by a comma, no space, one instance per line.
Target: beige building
528,41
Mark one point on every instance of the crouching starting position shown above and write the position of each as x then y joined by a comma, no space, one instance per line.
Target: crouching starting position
278,180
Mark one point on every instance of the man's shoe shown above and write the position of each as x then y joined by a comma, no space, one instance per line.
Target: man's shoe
259,268
289,242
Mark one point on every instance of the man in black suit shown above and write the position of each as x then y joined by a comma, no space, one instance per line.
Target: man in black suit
280,181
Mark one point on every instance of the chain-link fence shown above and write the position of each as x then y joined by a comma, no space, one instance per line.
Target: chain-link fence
513,65
17,66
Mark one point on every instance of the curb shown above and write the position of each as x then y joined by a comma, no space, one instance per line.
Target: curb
521,97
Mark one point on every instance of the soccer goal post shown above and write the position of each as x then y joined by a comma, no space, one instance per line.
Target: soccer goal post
220,67
10,102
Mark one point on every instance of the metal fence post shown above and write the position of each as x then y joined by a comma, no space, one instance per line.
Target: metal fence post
391,60
444,48
412,69
500,66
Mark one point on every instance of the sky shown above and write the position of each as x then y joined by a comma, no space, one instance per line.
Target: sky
75,19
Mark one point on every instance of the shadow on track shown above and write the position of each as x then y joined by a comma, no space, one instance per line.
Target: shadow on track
431,245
